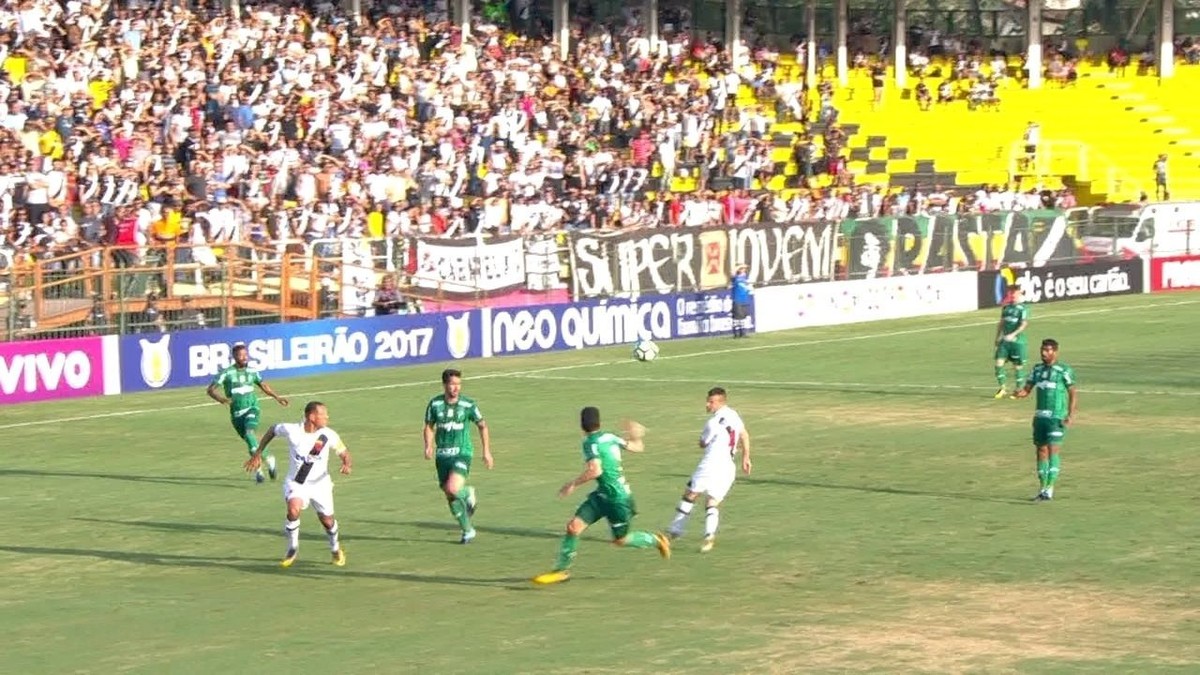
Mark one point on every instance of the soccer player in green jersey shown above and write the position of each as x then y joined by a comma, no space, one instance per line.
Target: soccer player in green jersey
612,499
448,442
1057,400
1010,341
236,385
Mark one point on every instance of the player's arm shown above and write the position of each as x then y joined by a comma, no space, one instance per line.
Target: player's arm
214,391
1020,328
486,440
591,471
427,432
343,454
1024,391
266,389
255,460
744,441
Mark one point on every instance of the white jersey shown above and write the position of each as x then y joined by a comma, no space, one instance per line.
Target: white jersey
720,438
308,458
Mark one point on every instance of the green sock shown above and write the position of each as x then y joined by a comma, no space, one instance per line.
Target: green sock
251,441
1043,469
1052,472
640,540
1020,375
566,552
1001,376
458,508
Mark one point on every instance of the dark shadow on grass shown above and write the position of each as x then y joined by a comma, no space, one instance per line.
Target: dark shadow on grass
482,529
165,480
312,531
884,490
303,568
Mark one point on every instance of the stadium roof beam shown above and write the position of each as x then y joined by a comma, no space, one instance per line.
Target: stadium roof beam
1166,38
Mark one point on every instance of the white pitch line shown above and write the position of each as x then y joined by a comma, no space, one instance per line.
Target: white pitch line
598,364
815,383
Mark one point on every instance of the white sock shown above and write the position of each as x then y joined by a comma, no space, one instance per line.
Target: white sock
711,517
291,530
271,463
681,515
333,537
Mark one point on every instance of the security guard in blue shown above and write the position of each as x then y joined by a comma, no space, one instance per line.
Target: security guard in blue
740,292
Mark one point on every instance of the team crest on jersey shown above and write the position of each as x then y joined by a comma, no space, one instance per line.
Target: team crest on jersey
156,361
458,335
319,445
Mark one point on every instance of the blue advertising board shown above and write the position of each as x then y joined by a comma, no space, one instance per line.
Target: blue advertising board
191,358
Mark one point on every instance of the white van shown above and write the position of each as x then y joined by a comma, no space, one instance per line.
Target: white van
1132,230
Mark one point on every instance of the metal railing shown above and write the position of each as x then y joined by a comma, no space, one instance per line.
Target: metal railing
1059,158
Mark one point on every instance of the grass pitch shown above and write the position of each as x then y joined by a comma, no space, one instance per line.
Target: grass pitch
887,525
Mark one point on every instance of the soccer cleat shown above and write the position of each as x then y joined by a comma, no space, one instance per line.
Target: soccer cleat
1041,496
555,577
467,537
271,467
672,535
471,502
708,544
258,476
663,544
288,558
1001,393
339,558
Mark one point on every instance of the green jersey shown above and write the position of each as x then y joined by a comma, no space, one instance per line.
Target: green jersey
1011,316
607,447
240,387
450,421
1051,384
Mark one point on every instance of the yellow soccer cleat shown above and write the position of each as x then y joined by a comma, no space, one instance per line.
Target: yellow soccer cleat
708,544
339,557
664,545
1001,393
555,577
288,558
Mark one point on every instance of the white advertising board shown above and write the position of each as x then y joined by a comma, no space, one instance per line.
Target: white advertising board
839,302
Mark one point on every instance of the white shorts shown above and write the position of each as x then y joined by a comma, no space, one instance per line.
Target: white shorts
319,495
712,481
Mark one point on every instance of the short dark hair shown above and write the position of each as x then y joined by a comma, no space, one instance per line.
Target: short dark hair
238,347
449,373
1051,343
717,391
311,407
589,418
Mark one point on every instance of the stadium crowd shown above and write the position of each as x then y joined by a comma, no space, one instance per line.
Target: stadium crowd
148,124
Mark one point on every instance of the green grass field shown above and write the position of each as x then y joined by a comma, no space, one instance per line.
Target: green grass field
887,525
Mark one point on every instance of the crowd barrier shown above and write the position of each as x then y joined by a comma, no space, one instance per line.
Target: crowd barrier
801,252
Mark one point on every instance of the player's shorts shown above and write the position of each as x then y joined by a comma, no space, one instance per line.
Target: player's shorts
318,495
619,514
246,422
740,311
1048,431
448,464
716,482
1013,352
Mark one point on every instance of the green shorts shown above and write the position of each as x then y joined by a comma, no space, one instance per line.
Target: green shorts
459,463
1013,352
246,422
1048,431
618,513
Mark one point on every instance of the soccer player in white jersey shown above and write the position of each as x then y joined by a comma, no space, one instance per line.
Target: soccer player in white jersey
308,481
723,433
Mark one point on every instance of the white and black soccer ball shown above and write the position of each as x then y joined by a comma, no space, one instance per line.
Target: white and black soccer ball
645,350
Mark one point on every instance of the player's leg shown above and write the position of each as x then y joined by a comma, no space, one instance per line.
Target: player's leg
1058,434
1001,369
249,434
620,518
683,509
452,476
588,512
296,503
322,503
718,489
1016,356
1041,444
